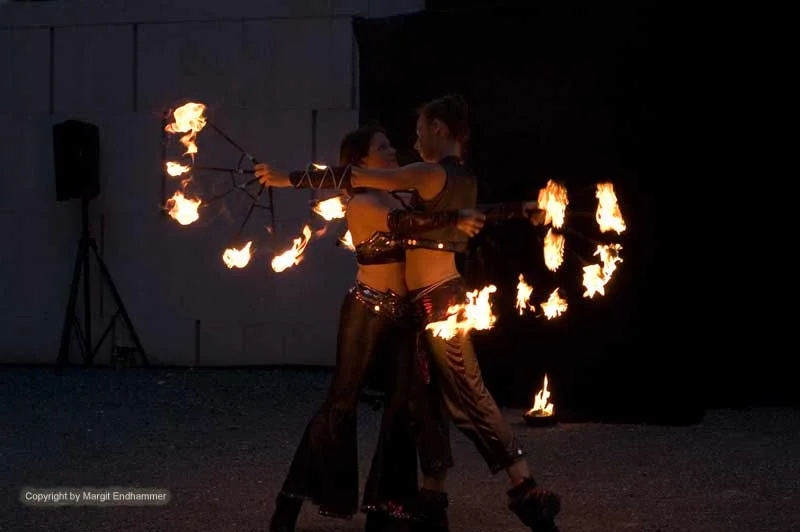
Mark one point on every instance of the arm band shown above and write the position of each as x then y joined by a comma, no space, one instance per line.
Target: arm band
329,177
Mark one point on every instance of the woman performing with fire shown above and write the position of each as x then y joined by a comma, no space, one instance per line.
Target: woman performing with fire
374,322
444,182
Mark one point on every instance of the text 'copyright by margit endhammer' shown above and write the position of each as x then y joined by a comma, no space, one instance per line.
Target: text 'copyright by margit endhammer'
90,496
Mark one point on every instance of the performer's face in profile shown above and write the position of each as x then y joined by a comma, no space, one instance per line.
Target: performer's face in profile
381,153
426,139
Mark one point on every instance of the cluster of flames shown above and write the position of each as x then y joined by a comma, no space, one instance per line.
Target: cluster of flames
189,120
553,201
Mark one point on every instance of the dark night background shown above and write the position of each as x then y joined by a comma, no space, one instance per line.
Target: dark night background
583,93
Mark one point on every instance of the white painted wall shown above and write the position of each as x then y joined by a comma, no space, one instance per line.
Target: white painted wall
260,67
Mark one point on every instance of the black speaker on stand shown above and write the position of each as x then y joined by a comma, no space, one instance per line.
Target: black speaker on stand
76,154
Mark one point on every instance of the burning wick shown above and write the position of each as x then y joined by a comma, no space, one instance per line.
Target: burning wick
553,250
541,406
524,291
238,258
609,216
596,276
475,314
347,241
554,306
174,169
330,209
183,209
293,256
189,119
553,200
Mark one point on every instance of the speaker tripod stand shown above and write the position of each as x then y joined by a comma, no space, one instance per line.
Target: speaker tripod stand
87,248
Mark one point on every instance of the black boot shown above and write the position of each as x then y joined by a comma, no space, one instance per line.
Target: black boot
430,512
535,506
286,511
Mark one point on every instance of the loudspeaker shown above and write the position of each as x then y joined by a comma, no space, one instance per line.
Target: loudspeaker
76,155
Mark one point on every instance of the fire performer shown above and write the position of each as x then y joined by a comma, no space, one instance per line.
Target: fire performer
444,182
374,321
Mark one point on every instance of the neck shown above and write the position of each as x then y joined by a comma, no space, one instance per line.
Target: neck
450,149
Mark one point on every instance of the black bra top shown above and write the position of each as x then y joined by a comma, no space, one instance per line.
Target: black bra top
382,247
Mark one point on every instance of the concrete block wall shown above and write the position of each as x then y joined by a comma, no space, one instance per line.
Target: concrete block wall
264,69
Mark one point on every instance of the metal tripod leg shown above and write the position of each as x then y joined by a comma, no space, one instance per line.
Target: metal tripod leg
69,318
118,300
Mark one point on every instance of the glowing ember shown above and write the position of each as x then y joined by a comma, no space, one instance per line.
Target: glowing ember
596,276
347,241
238,258
553,200
524,291
319,166
609,216
475,314
293,256
189,119
554,306
175,169
183,209
541,404
553,250
330,209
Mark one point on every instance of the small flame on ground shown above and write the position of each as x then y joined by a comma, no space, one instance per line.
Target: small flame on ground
294,255
175,169
553,200
238,258
189,119
609,216
553,250
347,241
554,306
475,314
183,209
596,276
541,404
524,291
330,209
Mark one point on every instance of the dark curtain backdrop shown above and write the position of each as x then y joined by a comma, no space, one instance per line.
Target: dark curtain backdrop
579,94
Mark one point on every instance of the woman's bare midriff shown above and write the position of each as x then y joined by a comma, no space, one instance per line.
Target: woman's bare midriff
425,267
384,277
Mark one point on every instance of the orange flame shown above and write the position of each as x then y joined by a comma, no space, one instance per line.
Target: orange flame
541,404
238,258
596,276
189,119
330,209
524,291
609,216
553,200
475,314
183,209
175,169
553,250
294,255
347,241
554,306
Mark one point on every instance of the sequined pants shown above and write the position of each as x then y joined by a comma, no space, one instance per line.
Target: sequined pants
458,376
372,324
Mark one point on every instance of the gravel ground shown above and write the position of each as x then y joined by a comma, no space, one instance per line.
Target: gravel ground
221,440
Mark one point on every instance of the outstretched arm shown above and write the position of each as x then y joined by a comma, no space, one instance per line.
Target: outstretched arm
315,176
497,212
426,178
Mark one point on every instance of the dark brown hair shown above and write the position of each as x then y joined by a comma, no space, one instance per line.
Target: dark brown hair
453,111
355,145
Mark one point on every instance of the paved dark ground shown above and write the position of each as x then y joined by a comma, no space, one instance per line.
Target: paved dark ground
221,441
